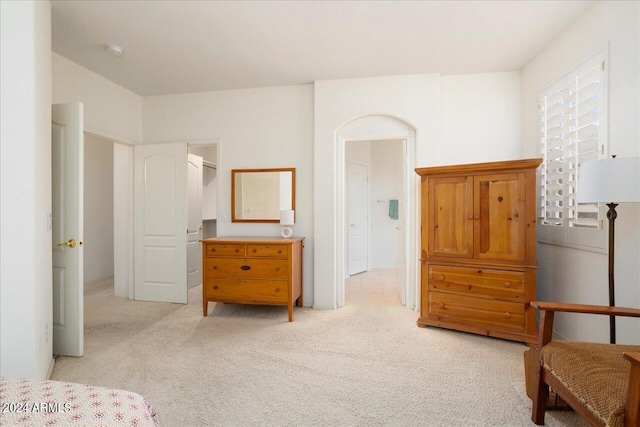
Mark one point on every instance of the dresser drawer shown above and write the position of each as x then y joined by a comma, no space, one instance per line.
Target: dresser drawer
220,249
478,281
503,315
232,290
267,251
246,268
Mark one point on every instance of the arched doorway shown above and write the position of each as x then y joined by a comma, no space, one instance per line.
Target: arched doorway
379,128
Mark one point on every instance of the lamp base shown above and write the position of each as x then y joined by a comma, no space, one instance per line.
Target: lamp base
286,232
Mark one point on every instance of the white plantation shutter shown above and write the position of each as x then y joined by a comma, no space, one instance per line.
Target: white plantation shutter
572,129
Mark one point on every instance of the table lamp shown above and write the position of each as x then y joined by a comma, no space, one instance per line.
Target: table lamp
287,217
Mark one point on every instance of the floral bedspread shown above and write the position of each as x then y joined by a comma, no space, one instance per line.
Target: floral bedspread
26,402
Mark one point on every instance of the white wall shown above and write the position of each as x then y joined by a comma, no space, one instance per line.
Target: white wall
386,184
110,110
480,118
458,119
256,128
98,209
25,114
571,275
359,151
412,99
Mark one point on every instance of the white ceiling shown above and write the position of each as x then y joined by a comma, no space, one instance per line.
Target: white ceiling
185,46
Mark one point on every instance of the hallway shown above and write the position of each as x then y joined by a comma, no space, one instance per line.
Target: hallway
379,287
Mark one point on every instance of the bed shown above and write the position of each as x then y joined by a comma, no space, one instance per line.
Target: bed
27,402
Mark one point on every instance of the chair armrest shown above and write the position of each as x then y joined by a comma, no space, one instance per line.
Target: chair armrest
632,357
548,309
587,309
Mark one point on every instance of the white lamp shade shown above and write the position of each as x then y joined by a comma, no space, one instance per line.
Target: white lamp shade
609,181
287,217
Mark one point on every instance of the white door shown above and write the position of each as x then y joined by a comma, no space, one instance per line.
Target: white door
67,156
160,222
194,215
358,216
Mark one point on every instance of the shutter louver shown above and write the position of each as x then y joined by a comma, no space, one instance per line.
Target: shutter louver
572,130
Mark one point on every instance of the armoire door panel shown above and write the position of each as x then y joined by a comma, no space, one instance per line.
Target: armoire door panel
499,205
451,217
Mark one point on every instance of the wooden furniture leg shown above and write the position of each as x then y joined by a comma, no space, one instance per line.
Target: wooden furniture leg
541,389
632,411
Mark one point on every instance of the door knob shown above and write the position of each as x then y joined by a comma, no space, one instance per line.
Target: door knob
71,243
352,225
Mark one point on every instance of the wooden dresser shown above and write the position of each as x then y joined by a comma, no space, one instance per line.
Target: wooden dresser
478,239
252,270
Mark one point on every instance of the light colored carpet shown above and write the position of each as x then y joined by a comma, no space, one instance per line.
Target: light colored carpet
246,365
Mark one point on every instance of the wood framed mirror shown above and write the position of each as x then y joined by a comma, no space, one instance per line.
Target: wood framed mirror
258,195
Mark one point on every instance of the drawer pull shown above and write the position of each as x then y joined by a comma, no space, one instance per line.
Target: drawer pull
215,287
245,267
255,250
215,267
507,284
277,268
213,249
440,277
237,250
279,251
277,289
507,315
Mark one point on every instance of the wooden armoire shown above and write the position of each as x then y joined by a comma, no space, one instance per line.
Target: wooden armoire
478,256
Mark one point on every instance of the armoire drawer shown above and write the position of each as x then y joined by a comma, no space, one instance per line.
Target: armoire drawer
503,315
233,290
497,284
246,268
224,250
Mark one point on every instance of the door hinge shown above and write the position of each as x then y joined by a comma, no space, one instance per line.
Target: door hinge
602,149
602,224
602,65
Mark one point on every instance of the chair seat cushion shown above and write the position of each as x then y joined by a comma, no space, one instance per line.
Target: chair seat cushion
594,373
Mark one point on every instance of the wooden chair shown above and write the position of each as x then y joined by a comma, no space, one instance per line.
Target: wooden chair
601,382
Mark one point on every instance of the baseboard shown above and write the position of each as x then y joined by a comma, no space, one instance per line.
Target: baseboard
557,336
554,334
320,307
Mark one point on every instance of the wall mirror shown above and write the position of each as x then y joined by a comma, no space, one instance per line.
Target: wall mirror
258,195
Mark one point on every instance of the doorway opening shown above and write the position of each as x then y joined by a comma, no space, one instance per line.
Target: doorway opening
108,212
380,128
202,204
375,229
